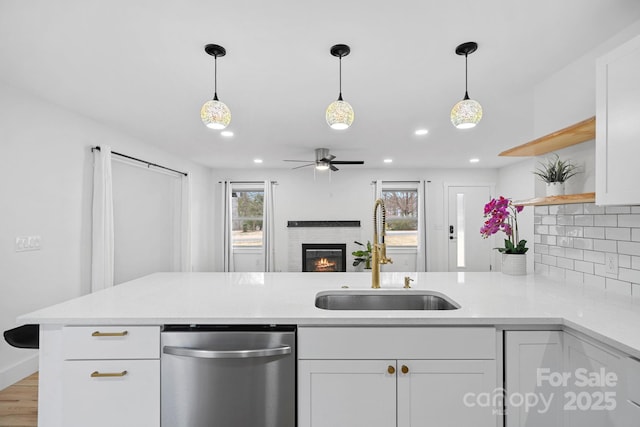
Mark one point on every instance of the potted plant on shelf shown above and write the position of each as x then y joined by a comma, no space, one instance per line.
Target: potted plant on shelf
363,255
502,215
555,172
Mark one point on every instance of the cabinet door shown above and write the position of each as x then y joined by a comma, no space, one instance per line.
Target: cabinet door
123,393
530,357
448,393
617,125
593,404
347,393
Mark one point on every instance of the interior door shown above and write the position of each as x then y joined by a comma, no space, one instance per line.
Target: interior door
468,251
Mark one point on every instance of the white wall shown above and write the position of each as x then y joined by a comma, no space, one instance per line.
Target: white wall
348,195
45,185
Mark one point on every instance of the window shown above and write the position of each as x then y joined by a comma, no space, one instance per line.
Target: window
247,217
401,203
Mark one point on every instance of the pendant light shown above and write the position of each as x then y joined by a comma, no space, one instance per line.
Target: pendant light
468,112
339,113
215,114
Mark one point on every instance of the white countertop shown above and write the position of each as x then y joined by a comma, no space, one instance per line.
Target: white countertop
288,298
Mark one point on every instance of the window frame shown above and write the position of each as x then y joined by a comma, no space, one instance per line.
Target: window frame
388,186
237,187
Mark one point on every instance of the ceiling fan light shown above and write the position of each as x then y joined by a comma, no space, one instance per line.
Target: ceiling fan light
466,114
215,114
339,115
322,166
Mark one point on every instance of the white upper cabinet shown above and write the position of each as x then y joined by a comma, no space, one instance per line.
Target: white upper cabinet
618,126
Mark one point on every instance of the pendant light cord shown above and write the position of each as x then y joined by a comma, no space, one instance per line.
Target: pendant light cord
466,77
340,79
215,78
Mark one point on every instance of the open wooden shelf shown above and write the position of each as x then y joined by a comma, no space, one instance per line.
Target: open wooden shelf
572,135
558,200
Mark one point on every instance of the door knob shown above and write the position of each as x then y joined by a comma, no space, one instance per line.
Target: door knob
405,369
391,370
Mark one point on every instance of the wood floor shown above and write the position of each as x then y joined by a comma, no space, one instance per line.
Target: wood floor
19,403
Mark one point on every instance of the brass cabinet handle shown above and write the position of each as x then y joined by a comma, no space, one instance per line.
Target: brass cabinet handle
96,374
109,334
391,370
404,369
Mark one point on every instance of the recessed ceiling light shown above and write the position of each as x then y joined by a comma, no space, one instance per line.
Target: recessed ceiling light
226,133
388,160
474,160
421,132
257,160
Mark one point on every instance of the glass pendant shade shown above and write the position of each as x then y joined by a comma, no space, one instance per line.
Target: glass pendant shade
215,114
339,115
466,114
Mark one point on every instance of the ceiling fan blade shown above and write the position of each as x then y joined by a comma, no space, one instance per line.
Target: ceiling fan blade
348,162
304,161
303,166
333,168
328,158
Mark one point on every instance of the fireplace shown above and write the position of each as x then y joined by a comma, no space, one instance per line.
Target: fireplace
324,257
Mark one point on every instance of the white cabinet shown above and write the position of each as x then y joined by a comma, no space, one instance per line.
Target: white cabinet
596,392
531,357
617,125
111,376
396,376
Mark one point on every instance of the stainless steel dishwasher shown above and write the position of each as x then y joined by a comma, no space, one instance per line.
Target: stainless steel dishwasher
221,376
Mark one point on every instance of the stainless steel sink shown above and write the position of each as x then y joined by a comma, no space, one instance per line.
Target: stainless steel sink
384,300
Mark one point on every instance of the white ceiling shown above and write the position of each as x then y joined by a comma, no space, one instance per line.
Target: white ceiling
139,66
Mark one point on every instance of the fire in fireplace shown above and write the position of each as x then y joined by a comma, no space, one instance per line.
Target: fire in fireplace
324,257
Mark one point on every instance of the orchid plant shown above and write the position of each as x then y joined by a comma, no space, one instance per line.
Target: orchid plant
502,215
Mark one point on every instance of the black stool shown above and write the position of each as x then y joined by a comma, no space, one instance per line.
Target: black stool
25,336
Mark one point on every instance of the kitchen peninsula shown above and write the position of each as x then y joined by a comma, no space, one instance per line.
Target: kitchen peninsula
492,306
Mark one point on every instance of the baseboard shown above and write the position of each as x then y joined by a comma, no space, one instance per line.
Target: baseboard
18,371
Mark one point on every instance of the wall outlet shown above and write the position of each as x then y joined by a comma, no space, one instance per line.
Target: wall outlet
28,243
611,264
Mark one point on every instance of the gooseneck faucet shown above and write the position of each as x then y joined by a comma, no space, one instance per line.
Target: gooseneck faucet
379,255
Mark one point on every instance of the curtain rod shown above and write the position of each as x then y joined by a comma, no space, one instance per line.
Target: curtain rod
401,181
248,182
142,161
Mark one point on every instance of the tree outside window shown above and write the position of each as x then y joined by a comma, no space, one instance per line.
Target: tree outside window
402,217
247,217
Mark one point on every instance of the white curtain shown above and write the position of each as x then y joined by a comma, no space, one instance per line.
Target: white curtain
421,260
102,241
377,189
185,225
268,243
227,224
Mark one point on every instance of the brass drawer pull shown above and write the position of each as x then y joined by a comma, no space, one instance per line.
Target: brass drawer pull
391,370
96,374
109,334
405,369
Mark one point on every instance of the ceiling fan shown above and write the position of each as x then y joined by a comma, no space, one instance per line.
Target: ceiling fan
325,161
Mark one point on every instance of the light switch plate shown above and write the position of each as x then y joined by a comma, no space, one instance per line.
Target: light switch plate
611,263
27,243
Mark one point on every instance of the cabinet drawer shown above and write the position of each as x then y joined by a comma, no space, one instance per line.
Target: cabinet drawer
120,393
396,343
111,342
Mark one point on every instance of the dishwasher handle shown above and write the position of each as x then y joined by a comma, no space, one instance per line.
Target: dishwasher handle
226,354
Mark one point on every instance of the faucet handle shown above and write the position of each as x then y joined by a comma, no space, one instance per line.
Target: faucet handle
407,281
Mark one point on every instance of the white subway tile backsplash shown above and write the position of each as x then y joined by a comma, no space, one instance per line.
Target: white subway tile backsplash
580,243
594,232
592,209
629,220
585,267
629,248
565,219
629,275
617,209
574,253
605,220
605,245
624,261
573,243
565,263
594,257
